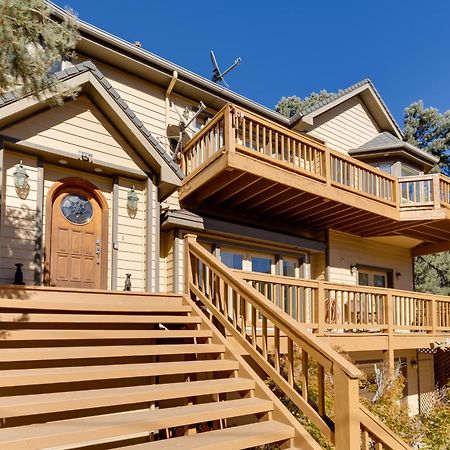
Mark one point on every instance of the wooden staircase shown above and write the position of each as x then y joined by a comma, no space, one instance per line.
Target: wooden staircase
99,370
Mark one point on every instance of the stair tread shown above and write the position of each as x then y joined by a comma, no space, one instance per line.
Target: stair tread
77,431
54,353
67,401
94,318
49,334
110,305
21,377
238,437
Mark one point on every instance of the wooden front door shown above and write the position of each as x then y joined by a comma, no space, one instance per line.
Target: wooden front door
77,244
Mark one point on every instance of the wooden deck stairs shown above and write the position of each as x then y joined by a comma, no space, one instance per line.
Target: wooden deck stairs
97,370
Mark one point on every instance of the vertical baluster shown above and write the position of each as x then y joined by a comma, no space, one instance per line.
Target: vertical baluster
277,155
242,309
290,361
270,143
321,389
258,144
250,133
235,308
304,376
264,337
253,315
282,148
244,124
365,440
277,348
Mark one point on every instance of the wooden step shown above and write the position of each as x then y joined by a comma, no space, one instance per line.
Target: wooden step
239,437
77,431
108,351
150,306
25,318
21,377
23,405
52,335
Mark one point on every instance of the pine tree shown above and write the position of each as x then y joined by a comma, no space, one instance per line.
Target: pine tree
32,41
289,106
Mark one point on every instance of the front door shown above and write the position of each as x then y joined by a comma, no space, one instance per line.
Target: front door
76,245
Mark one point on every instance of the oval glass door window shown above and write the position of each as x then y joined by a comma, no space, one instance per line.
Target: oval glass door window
76,209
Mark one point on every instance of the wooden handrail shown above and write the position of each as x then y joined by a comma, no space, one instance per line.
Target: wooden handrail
230,299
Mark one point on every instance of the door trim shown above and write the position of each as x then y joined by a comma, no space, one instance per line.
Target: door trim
100,198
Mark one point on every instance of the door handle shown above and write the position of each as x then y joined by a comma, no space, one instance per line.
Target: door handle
98,249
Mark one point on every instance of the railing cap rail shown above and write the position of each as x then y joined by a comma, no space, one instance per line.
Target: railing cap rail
327,352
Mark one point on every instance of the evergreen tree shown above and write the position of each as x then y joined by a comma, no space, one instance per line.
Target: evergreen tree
32,41
429,130
289,106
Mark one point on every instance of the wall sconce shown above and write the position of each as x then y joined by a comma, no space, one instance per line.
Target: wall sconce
398,275
21,181
132,202
414,364
354,269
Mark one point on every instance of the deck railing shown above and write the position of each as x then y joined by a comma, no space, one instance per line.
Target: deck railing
327,307
236,130
257,325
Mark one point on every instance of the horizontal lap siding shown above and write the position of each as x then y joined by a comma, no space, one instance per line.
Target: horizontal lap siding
75,127
18,220
347,126
346,249
132,243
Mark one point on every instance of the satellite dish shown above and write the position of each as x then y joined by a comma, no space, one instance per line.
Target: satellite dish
184,125
217,74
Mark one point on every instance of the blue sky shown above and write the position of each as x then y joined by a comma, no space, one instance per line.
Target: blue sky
295,47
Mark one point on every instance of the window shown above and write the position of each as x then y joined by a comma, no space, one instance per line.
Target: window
232,260
384,166
407,171
377,278
261,264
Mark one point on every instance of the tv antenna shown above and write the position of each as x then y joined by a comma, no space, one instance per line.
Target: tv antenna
183,125
217,74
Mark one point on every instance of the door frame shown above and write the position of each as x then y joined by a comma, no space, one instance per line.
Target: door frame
100,198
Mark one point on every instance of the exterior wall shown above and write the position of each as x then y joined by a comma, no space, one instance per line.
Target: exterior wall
76,127
18,220
346,126
346,249
131,253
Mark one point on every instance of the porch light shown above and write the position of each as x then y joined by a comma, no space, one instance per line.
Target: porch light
20,177
132,201
414,364
354,269
398,275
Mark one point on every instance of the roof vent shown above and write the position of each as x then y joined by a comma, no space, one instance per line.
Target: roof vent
137,44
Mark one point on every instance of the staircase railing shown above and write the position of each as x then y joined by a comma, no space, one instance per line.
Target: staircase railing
275,342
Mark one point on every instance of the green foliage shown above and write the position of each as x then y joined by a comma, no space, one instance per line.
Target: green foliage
437,425
289,106
429,130
432,273
31,42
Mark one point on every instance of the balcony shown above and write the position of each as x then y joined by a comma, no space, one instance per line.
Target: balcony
242,162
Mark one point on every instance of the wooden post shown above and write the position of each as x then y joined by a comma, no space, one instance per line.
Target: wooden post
327,173
347,420
388,355
229,130
187,262
433,316
436,190
320,308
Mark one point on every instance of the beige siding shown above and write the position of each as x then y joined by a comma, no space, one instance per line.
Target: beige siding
18,220
346,126
346,249
78,126
318,266
132,245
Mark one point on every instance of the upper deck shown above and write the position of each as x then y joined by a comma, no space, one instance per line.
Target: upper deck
242,162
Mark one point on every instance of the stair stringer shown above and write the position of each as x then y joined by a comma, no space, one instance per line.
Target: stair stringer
280,413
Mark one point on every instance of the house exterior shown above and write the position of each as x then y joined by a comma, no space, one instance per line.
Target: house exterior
322,213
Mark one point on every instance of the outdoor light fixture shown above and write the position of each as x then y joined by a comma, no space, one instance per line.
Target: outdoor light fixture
414,364
132,202
398,275
353,269
20,177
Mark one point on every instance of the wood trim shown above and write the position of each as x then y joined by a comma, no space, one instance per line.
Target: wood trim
38,243
52,193
2,186
114,232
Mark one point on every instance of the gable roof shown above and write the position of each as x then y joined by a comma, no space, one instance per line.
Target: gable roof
86,76
386,141
371,98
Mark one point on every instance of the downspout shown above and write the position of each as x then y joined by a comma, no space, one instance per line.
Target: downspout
168,92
